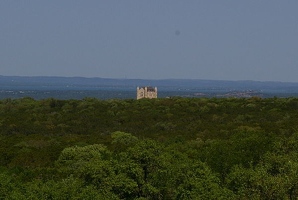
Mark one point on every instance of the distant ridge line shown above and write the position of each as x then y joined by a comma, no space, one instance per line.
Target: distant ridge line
118,82
140,79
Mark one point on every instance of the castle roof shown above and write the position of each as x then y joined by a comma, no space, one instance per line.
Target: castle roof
149,88
152,89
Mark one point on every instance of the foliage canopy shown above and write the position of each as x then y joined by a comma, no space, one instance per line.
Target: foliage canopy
176,148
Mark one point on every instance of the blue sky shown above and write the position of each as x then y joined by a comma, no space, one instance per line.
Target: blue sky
157,39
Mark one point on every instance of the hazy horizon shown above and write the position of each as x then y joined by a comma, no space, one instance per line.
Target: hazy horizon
206,40
148,79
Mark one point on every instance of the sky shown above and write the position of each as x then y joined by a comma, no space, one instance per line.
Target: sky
156,39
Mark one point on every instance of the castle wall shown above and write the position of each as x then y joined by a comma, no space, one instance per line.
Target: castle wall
146,92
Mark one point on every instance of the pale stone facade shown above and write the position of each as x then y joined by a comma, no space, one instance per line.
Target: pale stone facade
146,92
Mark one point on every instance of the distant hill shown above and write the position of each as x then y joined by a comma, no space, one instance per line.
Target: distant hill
106,82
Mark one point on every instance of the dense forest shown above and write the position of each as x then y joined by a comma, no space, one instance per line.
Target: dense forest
171,148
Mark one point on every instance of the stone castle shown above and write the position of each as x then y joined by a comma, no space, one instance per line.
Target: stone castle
146,92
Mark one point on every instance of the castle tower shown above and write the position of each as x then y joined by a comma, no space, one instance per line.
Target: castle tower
146,92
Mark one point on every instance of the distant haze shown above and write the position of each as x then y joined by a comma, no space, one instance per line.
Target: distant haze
218,40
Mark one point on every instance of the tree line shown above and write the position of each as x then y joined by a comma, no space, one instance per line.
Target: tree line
172,148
